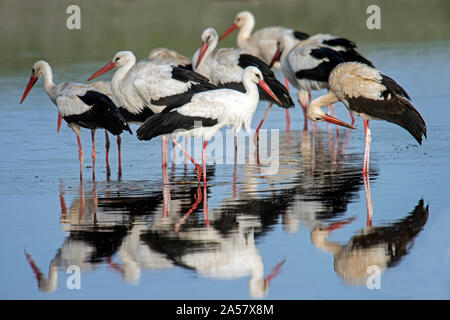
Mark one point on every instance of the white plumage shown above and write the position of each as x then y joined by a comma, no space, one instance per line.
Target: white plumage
262,43
206,112
80,105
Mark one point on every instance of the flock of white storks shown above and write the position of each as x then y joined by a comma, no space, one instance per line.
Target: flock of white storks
170,96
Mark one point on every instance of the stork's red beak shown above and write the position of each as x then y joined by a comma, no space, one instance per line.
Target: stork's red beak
338,122
106,68
266,88
30,85
275,58
202,53
59,122
233,27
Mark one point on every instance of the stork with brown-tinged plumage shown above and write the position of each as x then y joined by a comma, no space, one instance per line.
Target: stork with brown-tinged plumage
368,93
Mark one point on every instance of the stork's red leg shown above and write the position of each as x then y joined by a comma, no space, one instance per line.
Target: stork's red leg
205,144
303,99
119,142
288,117
369,201
367,141
107,144
205,196
59,123
94,153
164,151
262,120
305,126
352,116
80,155
197,166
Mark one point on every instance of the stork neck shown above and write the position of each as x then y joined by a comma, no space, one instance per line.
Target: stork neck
47,76
251,89
245,31
288,46
321,102
122,71
211,47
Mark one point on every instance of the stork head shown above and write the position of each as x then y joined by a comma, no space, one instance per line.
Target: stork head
121,58
255,75
284,43
315,113
209,39
242,18
40,68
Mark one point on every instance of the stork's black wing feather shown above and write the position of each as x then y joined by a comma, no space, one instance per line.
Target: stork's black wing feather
103,114
280,91
393,108
340,42
185,74
169,122
301,35
330,59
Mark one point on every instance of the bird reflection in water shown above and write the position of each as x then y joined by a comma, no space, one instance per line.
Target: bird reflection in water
132,226
381,246
124,226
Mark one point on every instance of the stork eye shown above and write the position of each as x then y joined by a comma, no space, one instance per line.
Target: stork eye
317,118
117,59
32,70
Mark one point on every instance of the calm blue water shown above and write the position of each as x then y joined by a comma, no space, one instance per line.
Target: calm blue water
136,238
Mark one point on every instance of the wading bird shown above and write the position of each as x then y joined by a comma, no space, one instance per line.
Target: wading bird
372,96
308,64
146,88
204,113
261,43
80,105
225,68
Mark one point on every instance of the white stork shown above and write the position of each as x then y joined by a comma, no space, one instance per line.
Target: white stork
105,88
262,43
80,105
146,88
204,113
225,68
372,96
308,63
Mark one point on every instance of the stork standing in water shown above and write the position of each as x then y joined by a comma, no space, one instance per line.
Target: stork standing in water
261,43
214,109
146,88
225,68
80,105
204,113
372,96
308,64
105,88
